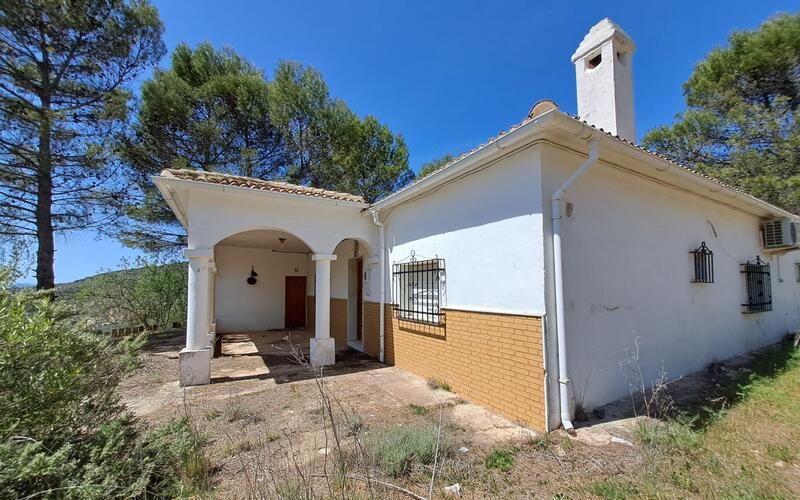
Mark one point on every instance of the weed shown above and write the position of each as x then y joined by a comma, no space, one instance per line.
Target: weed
396,449
435,383
782,453
237,412
417,409
213,414
683,479
541,442
270,436
291,490
677,433
614,489
501,459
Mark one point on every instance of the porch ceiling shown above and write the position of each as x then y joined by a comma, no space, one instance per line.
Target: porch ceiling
264,238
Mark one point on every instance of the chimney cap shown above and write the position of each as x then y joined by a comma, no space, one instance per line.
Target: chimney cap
541,107
600,33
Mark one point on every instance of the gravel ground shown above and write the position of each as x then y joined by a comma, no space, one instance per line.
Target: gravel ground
262,416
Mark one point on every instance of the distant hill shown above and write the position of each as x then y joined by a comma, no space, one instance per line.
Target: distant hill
71,289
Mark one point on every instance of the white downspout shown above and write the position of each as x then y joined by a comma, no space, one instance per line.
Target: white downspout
558,283
382,264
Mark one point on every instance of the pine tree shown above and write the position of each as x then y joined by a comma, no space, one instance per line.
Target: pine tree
65,68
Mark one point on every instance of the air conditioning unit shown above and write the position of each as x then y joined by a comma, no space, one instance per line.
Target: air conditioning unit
780,233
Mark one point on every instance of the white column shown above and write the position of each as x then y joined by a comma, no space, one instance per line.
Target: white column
195,358
323,347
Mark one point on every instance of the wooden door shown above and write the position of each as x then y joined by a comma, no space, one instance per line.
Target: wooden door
295,312
359,298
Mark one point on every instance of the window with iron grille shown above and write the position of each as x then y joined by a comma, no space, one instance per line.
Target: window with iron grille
759,287
703,264
418,290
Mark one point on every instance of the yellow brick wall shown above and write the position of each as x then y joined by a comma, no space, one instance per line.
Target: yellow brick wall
338,319
494,360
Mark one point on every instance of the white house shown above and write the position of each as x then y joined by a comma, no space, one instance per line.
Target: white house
520,273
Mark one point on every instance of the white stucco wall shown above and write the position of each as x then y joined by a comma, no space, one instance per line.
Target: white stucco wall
488,228
241,307
215,215
627,273
339,268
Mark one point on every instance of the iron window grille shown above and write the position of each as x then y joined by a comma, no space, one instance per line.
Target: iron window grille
418,290
703,264
759,286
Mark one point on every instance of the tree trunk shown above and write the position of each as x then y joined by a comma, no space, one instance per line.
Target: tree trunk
45,254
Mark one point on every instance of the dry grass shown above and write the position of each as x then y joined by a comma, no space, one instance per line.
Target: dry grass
270,444
748,448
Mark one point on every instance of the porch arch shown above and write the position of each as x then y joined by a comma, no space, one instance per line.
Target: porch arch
227,235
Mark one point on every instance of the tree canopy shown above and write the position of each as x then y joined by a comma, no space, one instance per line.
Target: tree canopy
741,125
434,165
213,110
208,111
65,71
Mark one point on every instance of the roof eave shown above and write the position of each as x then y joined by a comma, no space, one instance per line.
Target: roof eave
261,193
532,130
494,148
169,195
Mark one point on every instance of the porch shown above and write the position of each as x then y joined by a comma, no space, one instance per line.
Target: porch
269,295
277,356
266,255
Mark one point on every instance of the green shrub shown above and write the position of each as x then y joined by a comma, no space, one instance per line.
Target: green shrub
501,459
63,430
396,449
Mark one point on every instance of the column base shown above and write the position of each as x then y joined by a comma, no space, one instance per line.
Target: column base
323,351
195,366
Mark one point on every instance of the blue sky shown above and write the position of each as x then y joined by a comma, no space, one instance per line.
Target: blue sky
446,75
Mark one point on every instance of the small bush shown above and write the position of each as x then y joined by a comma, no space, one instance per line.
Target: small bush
397,449
501,459
63,430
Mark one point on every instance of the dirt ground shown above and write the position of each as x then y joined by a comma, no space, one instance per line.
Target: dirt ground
263,411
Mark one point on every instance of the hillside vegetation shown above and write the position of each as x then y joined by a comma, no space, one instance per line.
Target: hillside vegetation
147,293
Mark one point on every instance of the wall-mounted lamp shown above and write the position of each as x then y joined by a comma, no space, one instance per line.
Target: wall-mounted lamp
251,280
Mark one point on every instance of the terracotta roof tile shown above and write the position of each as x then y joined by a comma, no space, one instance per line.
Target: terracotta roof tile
260,184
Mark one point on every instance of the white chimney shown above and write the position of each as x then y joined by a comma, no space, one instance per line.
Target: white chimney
603,63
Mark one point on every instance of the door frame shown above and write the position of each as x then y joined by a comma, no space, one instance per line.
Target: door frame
355,298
